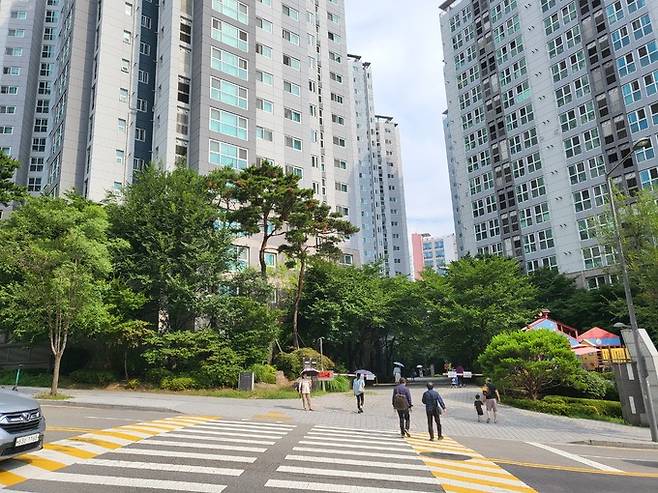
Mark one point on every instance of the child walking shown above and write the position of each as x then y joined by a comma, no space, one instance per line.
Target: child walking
478,407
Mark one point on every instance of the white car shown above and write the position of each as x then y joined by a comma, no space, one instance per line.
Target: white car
21,424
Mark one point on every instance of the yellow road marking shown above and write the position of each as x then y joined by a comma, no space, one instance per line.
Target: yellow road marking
636,474
459,466
70,428
482,482
9,478
40,462
96,441
117,434
68,450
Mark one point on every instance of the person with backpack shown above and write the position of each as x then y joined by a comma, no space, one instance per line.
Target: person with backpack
434,406
492,397
359,388
402,404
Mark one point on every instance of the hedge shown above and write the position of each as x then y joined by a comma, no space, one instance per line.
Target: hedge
570,406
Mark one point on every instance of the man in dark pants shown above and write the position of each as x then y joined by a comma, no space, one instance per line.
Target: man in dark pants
402,404
434,405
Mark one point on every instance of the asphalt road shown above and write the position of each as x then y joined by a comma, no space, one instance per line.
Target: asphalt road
91,449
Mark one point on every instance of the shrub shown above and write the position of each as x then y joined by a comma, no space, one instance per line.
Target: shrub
93,377
338,384
29,378
570,406
591,384
221,369
178,383
292,364
133,384
156,375
264,373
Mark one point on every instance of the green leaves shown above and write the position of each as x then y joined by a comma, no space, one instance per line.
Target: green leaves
9,191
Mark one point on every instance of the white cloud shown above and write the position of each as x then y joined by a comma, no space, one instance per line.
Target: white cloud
402,40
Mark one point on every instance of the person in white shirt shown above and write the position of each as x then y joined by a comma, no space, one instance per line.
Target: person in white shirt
305,392
359,388
397,374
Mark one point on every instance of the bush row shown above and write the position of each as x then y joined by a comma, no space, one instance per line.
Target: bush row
570,406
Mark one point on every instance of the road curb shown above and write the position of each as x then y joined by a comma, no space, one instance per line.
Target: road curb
127,407
607,443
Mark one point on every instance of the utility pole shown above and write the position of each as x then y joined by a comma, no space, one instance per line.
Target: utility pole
321,359
641,364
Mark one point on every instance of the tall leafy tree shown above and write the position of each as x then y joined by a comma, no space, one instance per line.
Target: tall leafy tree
178,250
9,191
489,295
59,253
313,231
266,197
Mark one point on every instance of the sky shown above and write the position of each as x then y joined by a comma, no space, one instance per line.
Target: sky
402,40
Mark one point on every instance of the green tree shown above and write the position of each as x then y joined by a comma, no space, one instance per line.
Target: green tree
178,251
488,295
313,231
260,200
532,361
9,191
59,252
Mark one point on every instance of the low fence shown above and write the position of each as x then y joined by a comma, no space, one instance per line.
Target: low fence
18,355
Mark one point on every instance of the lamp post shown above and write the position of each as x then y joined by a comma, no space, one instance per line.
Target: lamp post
641,364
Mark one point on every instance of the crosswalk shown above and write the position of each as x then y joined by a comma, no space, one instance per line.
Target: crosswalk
207,454
194,454
343,460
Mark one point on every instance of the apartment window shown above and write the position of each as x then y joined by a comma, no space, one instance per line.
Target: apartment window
340,163
338,119
593,257
16,33
48,34
596,166
229,93
600,193
572,146
294,143
119,156
292,62
339,141
295,170
14,51
648,53
125,65
290,12
230,35
142,105
43,106
128,8
335,57
183,89
292,88
123,95
337,98
641,26
223,154
143,77
264,24
264,50
620,38
341,187
641,155
233,9
127,37
591,139
11,71
633,5
121,125
265,77
264,134
146,22
36,164
649,178
34,184
20,15
582,200
7,110
293,115
6,130
587,227
577,173
145,48
626,64
291,37
266,2
229,63
637,120
11,90
333,37
228,123
631,92
265,105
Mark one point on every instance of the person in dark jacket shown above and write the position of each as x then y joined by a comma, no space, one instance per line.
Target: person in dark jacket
434,406
402,404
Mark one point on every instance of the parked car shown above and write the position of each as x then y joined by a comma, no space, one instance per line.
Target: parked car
22,424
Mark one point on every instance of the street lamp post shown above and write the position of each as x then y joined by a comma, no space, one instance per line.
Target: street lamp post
642,368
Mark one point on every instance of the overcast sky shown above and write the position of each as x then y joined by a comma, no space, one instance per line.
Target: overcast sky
402,40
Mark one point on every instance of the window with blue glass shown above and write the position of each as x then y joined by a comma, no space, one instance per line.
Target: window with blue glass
224,154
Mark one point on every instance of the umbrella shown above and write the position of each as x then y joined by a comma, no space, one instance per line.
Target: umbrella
310,371
364,372
397,363
419,366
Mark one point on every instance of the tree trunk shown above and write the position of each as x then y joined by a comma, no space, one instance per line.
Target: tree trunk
125,364
261,257
298,298
163,315
55,383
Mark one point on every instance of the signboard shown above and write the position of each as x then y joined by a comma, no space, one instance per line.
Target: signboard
452,374
246,381
325,375
468,374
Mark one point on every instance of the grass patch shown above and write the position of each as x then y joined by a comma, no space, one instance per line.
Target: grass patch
572,407
48,397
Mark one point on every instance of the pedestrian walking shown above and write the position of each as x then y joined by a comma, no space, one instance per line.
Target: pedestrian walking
402,404
478,407
460,375
434,407
359,388
305,392
397,374
492,397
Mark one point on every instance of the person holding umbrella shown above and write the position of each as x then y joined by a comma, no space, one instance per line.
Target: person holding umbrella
359,388
397,371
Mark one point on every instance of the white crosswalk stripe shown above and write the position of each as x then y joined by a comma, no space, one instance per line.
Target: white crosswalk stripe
198,455
333,488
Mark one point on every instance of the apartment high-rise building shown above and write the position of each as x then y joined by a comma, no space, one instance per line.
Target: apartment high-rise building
209,82
544,97
432,252
383,220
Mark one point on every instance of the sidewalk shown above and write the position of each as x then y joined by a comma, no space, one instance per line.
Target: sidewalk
339,410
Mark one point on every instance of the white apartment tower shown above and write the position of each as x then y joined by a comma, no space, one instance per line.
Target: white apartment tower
383,223
211,82
544,97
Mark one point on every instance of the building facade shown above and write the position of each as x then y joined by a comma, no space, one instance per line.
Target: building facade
432,252
383,223
543,98
208,82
